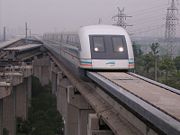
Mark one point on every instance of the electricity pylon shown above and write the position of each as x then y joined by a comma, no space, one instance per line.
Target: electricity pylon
171,23
120,18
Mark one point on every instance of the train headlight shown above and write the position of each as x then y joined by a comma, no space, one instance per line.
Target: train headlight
96,49
121,49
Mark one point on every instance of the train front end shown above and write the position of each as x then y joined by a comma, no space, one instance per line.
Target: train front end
105,47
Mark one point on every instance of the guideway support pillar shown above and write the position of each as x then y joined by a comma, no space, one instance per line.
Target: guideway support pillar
14,99
22,98
42,69
54,78
73,107
9,114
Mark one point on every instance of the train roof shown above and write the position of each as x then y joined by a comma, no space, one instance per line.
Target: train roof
103,29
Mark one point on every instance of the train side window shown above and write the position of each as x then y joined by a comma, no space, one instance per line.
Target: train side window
98,42
118,44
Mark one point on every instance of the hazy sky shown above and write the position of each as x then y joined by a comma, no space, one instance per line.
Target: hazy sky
68,15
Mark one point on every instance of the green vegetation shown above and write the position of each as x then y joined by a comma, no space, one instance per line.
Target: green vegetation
44,119
162,68
5,131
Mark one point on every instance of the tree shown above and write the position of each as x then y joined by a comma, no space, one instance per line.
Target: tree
148,62
167,65
177,62
5,131
174,81
138,57
155,51
137,50
43,115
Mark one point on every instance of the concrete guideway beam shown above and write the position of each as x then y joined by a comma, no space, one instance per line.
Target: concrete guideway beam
74,98
5,89
25,70
13,77
126,115
153,116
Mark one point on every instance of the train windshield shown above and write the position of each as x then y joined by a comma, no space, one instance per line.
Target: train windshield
118,45
108,47
99,45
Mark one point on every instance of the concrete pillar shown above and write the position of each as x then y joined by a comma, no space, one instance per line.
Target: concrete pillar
29,90
36,70
54,83
45,75
22,99
9,119
77,100
1,116
83,121
71,120
93,126
41,69
69,112
62,98
72,106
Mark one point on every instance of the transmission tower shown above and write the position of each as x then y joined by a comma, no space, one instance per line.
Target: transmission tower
170,31
120,18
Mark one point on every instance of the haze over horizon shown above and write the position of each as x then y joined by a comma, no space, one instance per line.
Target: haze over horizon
148,17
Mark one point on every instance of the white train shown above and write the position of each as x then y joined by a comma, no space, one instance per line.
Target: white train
97,47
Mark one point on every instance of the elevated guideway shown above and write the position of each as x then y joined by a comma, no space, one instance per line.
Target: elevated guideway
152,102
148,107
128,103
8,43
23,48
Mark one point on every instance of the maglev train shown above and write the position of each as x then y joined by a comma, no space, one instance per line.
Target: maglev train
97,47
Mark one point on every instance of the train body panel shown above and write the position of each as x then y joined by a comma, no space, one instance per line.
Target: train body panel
104,64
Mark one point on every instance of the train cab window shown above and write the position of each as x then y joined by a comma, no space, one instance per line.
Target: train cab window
118,44
99,45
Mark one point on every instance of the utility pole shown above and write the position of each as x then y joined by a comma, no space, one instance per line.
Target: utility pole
100,21
4,34
120,18
26,29
29,32
171,22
